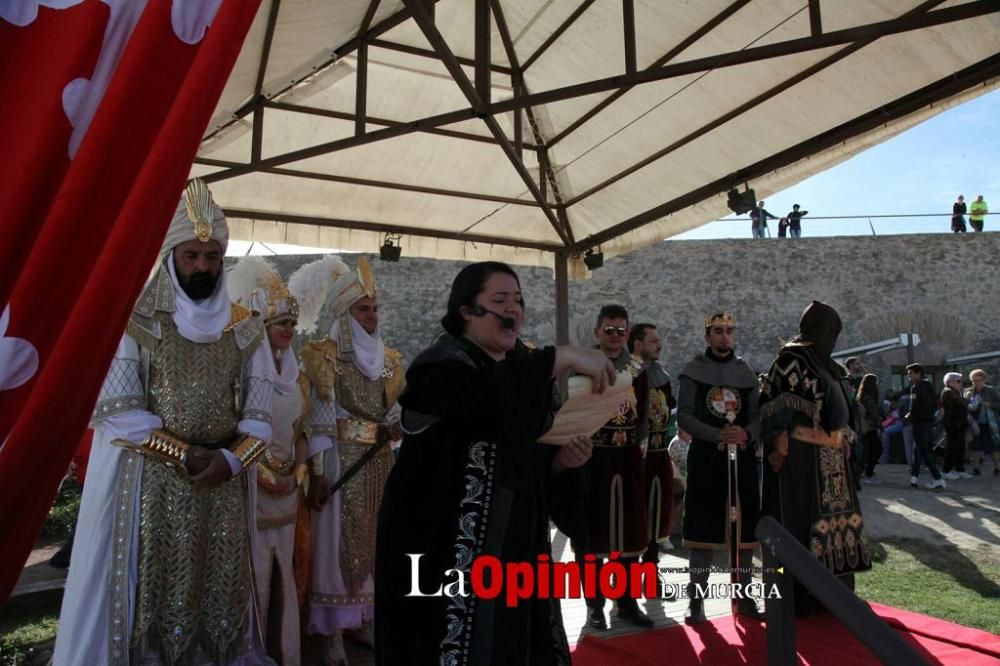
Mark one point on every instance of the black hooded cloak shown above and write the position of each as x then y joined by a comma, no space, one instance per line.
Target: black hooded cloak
812,493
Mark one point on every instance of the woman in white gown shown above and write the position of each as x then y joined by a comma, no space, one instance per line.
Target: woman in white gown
281,471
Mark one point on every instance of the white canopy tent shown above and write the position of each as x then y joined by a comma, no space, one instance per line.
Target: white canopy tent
533,130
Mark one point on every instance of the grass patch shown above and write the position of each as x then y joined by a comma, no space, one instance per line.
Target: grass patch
941,581
28,624
28,628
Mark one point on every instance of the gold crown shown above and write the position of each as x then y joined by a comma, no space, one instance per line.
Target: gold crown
277,293
720,319
200,209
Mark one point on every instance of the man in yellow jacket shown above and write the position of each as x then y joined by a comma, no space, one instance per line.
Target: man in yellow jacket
977,212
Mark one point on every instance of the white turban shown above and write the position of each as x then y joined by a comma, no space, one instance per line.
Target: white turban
197,217
351,287
198,200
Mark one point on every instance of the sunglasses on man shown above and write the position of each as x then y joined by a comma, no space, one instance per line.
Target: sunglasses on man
612,330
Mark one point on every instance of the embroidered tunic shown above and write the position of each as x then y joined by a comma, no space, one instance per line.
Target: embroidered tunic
615,503
813,494
659,468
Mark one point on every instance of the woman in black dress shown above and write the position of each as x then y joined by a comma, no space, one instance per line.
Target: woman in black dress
471,480
958,211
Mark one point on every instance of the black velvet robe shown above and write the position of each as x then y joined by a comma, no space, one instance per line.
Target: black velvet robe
470,480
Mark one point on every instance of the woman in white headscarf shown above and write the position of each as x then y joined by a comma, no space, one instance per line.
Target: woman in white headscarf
281,472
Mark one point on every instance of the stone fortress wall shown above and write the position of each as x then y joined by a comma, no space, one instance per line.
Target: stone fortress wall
943,287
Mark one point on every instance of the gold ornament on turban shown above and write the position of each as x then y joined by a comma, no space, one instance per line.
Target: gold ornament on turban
200,209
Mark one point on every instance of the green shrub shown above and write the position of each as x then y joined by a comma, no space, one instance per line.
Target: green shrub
62,515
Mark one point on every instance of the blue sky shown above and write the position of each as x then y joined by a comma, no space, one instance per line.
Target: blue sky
921,170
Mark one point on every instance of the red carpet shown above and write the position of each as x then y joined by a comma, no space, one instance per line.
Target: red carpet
722,641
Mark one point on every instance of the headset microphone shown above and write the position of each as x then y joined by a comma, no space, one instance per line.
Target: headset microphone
505,322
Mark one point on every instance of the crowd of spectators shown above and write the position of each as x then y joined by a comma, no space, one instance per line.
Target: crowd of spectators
956,426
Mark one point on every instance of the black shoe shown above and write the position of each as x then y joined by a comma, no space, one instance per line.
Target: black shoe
747,608
996,471
595,619
696,612
975,471
633,615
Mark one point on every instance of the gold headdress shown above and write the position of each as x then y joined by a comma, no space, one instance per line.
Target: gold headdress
200,209
197,217
366,276
329,287
254,283
280,303
720,319
350,287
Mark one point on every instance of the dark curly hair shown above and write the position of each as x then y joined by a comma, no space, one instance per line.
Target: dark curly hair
467,285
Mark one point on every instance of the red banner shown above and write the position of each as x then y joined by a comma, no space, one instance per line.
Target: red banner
105,107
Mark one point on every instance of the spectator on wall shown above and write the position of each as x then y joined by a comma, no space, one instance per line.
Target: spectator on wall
958,211
977,211
795,221
758,218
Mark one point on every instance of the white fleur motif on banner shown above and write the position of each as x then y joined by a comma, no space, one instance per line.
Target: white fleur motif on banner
24,12
189,20
18,358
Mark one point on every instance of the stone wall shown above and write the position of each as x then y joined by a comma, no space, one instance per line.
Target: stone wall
943,287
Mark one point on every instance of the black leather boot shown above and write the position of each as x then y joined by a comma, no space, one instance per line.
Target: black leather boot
696,607
596,619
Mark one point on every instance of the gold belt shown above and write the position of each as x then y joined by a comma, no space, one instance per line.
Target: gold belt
279,467
357,430
818,436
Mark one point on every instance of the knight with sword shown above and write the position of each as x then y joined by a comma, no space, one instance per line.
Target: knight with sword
717,405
